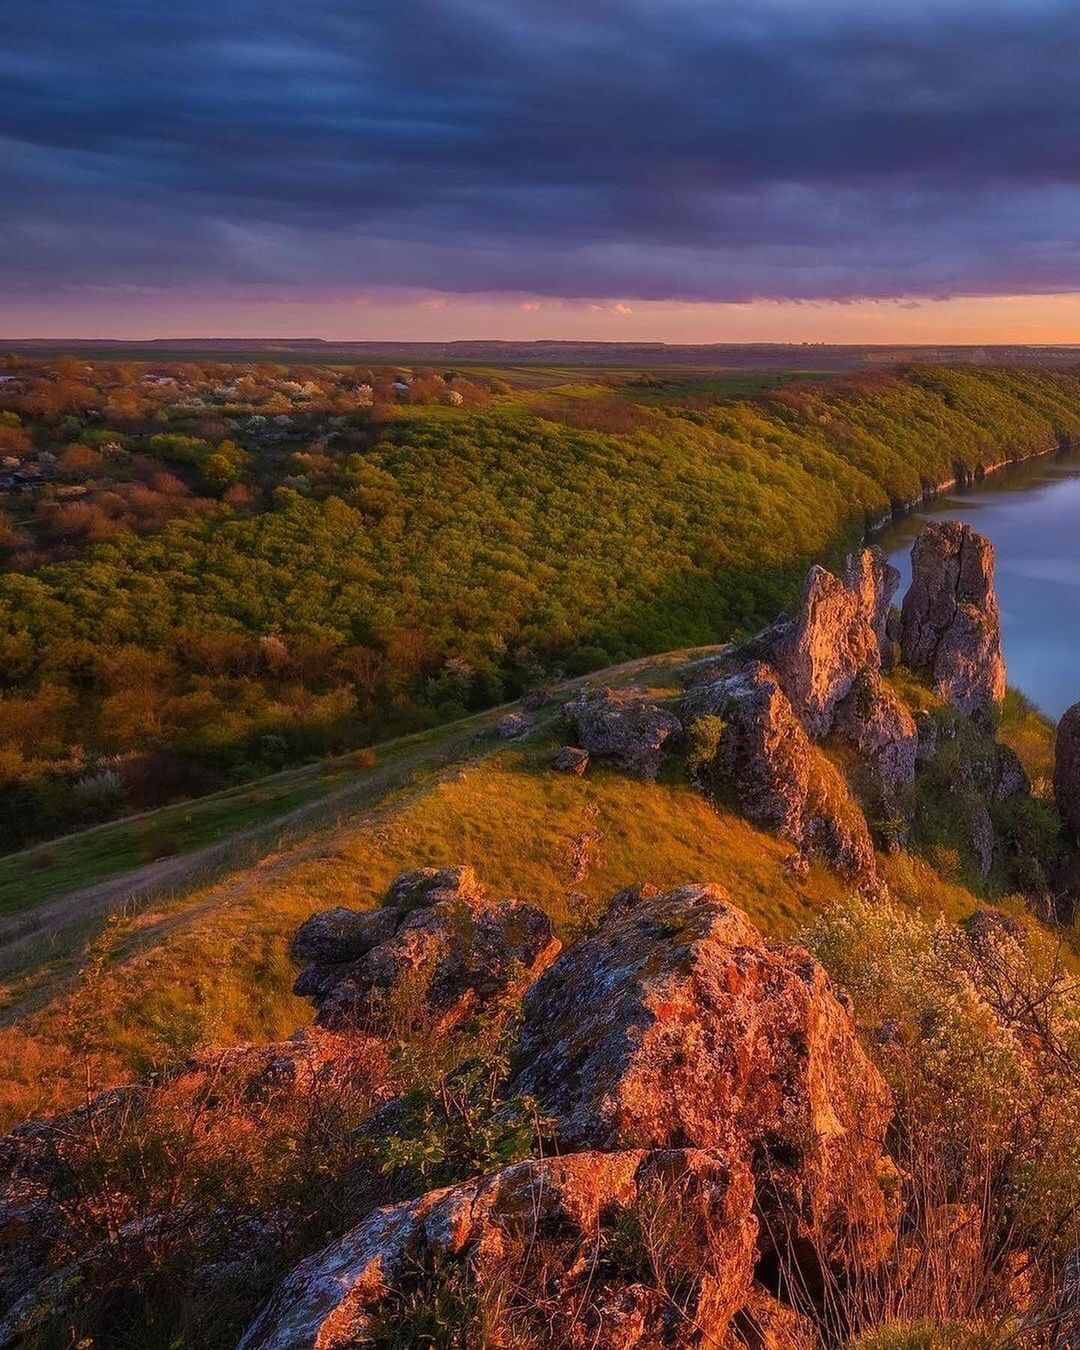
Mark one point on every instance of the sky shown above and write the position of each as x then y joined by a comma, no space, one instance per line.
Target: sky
677,170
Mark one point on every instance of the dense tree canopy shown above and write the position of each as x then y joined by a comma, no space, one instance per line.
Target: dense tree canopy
439,562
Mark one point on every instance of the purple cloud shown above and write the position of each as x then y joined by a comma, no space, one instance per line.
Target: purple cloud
652,149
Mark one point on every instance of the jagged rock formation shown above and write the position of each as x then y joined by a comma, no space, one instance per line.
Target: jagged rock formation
536,698
819,654
1067,768
676,1023
870,575
624,728
876,722
437,943
819,675
950,622
766,765
558,1235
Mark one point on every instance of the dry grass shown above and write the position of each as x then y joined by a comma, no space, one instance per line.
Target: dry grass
213,968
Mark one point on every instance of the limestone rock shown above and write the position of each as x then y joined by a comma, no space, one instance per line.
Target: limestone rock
927,745
1067,768
873,579
565,1224
1010,776
341,934
624,728
768,768
764,1323
536,698
950,621
819,654
676,1023
422,887
445,949
512,726
875,721
570,759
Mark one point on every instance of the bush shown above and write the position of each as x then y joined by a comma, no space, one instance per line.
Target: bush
977,1029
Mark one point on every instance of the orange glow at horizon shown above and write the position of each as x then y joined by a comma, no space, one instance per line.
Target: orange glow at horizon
1013,319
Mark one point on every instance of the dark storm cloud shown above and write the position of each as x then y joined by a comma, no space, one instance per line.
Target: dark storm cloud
694,149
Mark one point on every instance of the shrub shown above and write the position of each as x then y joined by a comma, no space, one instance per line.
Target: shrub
703,737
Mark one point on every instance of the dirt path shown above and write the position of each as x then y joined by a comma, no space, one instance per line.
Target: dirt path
35,934
22,935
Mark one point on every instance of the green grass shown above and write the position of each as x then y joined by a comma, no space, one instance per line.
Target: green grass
53,869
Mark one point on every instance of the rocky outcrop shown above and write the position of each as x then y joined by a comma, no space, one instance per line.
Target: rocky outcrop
876,722
950,622
624,728
766,766
435,950
570,759
676,1023
764,1323
1067,768
763,759
536,698
635,1248
513,726
874,580
819,653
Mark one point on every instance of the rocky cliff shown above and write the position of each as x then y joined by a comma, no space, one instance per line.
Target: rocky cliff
802,730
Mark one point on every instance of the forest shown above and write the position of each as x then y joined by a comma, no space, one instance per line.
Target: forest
211,572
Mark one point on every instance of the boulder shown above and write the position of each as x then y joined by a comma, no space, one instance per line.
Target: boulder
676,1023
763,760
819,653
768,769
570,759
873,580
634,1248
536,698
512,726
1067,768
1010,776
446,949
876,722
950,622
927,744
624,728
422,887
336,935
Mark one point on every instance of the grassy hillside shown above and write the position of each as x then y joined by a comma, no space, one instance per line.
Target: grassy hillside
209,964
373,572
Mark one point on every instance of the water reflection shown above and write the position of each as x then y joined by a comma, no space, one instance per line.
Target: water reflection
1032,514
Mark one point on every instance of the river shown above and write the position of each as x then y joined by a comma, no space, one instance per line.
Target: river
1031,512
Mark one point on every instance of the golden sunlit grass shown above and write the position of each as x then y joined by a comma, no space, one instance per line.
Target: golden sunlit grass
212,967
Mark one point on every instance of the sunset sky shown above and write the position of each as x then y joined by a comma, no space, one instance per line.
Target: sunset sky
682,170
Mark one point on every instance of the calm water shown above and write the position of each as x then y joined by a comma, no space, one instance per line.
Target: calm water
1032,514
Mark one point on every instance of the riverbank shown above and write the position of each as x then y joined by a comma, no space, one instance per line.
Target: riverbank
1028,510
